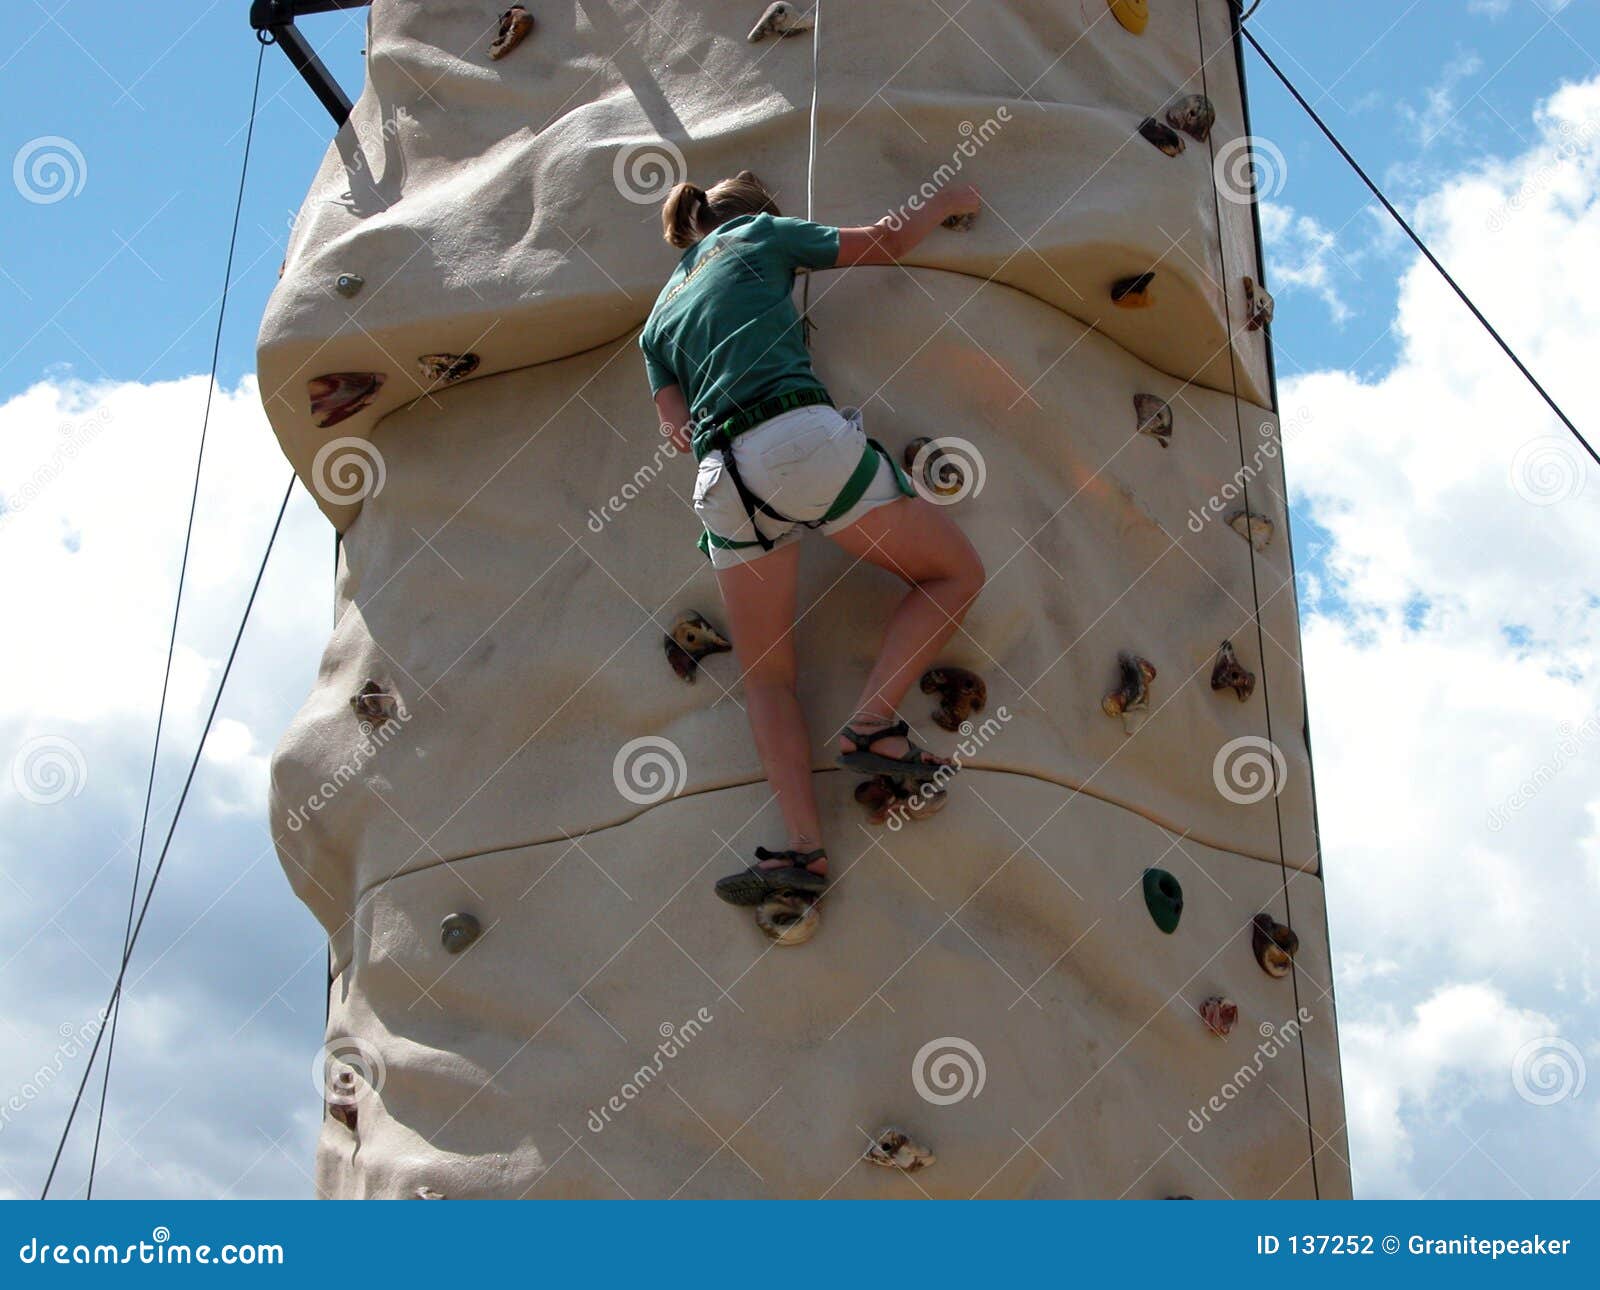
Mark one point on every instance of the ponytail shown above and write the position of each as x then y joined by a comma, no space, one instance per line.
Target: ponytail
691,212
682,215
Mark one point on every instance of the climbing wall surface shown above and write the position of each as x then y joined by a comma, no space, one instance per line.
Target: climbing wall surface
535,992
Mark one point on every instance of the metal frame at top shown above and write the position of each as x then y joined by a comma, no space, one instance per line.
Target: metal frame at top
273,21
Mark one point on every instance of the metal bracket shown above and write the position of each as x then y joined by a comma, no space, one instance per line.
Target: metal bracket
273,21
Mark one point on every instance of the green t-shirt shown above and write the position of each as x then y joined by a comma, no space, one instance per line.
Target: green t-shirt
725,328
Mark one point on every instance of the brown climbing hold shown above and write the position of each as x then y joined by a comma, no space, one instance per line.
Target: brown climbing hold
428,1193
1134,692
515,23
961,223
337,396
961,693
942,475
1194,115
1155,417
692,638
1259,305
1255,529
886,798
892,1149
373,703
1230,674
447,369
1274,945
788,918
1219,1014
1133,292
1162,135
1134,15
343,1092
781,19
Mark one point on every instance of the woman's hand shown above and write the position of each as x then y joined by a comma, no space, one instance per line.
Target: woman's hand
894,237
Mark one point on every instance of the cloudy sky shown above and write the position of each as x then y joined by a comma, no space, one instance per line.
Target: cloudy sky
1443,525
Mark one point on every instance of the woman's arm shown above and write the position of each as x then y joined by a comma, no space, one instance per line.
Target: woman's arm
673,411
890,239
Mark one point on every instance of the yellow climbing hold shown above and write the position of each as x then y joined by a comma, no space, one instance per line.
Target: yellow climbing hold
1132,14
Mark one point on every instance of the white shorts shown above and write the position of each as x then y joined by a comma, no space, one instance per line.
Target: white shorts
799,463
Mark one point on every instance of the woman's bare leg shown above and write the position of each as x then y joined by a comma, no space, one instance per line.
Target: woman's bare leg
922,545
760,599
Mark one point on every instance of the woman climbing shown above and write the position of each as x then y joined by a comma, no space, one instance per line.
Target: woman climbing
725,352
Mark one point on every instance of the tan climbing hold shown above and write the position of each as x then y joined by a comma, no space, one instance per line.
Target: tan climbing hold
447,369
782,19
1133,292
788,918
691,639
515,23
892,1149
1132,14
1230,674
373,703
1274,944
1162,136
428,1193
961,693
1219,1014
1133,694
1194,114
1259,305
1155,417
1255,529
942,475
887,798
337,396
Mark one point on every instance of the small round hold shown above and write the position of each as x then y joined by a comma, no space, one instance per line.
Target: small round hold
1134,15
348,284
458,931
788,918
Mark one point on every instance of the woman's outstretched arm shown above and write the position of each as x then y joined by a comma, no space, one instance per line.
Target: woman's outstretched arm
893,238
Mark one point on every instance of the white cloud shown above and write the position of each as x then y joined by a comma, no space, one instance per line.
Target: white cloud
1303,255
1440,106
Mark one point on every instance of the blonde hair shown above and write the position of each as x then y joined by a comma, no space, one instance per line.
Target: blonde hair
691,212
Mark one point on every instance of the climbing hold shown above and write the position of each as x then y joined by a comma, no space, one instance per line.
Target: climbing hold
1274,944
349,284
1177,1198
880,795
961,223
942,475
1230,674
1162,135
1133,292
1259,305
458,931
1219,1014
1132,14
428,1193
894,1150
961,693
337,396
781,20
1194,115
515,23
788,918
446,369
373,703
1134,692
1163,897
886,796
692,638
1155,417
1255,529
344,1090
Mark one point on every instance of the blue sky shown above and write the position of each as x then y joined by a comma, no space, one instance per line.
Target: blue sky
118,284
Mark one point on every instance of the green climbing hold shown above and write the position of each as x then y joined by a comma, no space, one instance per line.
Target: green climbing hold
1164,896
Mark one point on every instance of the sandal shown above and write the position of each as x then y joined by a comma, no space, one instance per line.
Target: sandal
751,885
918,763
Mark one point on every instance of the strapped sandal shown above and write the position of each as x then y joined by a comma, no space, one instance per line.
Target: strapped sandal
751,885
918,763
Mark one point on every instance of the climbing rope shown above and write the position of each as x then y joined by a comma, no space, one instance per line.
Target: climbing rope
1417,240
114,1010
811,158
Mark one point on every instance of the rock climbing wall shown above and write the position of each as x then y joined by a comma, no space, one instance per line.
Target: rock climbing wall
1098,965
